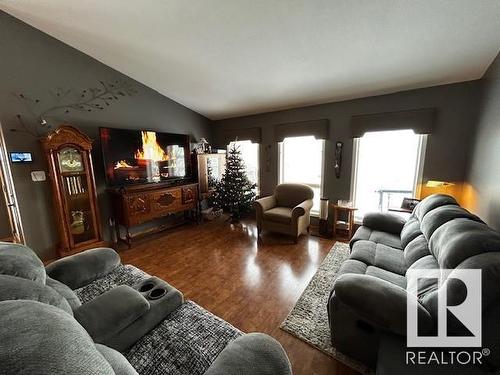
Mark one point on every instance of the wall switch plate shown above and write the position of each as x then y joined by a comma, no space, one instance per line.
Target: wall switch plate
38,176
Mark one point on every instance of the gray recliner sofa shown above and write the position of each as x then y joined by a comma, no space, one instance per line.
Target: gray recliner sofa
46,329
370,295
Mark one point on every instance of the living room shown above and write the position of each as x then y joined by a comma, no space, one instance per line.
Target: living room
241,187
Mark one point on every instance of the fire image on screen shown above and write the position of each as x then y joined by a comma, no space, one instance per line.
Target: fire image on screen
141,156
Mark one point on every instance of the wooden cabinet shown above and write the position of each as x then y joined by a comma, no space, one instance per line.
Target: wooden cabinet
73,189
136,205
210,168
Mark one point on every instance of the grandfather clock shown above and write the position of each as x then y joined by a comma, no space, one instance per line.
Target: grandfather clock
73,189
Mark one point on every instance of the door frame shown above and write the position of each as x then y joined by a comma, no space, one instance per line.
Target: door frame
9,192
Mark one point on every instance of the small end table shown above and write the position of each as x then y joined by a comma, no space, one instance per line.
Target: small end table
346,225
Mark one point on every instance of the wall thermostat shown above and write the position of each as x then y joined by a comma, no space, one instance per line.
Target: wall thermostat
38,176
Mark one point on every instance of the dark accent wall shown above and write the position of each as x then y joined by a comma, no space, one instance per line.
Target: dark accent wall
484,175
33,63
447,146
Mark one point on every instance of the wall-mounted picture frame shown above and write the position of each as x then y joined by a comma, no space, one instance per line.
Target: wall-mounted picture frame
21,157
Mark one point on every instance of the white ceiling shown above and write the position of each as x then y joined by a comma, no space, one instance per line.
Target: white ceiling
225,58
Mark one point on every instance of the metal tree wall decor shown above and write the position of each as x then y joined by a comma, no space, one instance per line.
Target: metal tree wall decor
67,101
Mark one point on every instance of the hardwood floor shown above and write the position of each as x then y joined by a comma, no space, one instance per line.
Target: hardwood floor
251,284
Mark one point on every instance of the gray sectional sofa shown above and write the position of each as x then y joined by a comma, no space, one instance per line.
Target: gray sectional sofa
367,306
46,329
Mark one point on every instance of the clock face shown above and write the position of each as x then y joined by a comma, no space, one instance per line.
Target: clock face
70,160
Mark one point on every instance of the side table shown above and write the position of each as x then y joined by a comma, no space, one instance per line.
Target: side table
343,221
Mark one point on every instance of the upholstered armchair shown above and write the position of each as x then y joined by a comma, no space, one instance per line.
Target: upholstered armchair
287,211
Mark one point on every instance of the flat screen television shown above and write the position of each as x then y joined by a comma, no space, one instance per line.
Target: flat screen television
143,156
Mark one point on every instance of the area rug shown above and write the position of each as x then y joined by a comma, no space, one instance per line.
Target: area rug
185,343
308,319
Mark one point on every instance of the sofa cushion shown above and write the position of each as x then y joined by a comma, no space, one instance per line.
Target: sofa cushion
459,239
352,266
16,288
384,222
365,233
362,233
440,215
489,264
119,363
21,261
279,214
81,269
430,283
389,276
376,254
432,202
387,239
250,354
416,249
410,231
65,292
111,312
379,302
290,195
360,268
42,339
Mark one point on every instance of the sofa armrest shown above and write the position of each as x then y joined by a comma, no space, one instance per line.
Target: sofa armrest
380,302
251,354
264,204
384,222
302,208
111,312
81,269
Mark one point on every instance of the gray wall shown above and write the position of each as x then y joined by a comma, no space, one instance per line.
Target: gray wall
483,174
33,63
447,146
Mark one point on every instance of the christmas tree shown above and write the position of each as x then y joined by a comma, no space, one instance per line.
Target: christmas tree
234,193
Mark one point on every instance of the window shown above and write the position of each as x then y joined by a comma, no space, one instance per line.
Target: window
301,161
250,156
387,168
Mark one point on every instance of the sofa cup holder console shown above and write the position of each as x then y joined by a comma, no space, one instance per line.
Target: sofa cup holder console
146,287
163,299
156,293
153,289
